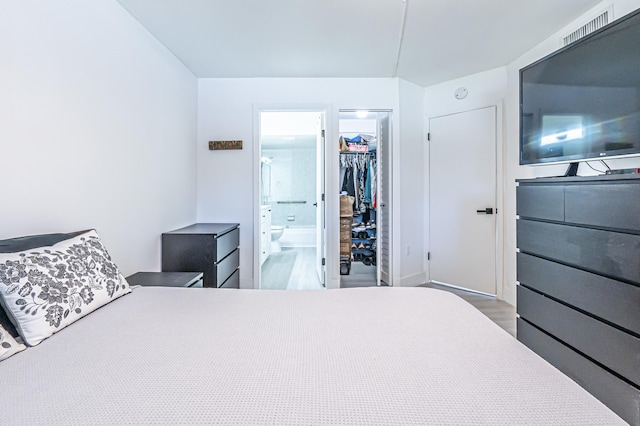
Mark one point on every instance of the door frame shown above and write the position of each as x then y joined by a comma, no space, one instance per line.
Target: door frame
323,109
390,188
501,186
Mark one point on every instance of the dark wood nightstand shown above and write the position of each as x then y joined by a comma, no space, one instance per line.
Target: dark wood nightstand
167,279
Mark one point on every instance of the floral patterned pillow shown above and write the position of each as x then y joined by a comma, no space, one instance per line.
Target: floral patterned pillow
48,288
8,345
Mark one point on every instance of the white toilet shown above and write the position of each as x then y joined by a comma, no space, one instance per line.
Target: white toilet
276,233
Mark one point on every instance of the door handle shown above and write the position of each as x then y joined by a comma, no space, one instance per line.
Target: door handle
488,210
315,204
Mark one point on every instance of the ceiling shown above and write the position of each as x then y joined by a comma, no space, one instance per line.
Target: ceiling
422,41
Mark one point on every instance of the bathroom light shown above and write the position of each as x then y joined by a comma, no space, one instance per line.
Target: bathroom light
362,114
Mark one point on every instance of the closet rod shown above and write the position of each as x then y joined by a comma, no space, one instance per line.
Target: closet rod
355,153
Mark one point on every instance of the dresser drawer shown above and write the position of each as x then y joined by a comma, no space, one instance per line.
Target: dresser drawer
540,202
617,394
610,206
233,281
226,243
227,266
607,345
611,300
608,253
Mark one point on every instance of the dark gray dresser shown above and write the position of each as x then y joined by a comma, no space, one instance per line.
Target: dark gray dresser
578,297
210,248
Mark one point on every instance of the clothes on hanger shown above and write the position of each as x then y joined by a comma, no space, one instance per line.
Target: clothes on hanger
357,171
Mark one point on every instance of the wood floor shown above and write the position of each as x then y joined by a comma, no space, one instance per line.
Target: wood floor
294,269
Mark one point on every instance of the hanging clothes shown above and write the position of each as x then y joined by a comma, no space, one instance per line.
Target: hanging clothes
374,183
358,179
348,184
367,185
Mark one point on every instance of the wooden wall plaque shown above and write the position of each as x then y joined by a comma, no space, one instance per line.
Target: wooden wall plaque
218,145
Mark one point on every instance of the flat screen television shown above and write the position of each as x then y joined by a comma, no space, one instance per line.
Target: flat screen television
583,101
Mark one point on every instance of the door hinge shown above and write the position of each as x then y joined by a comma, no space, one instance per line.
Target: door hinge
323,261
429,136
428,255
322,133
322,197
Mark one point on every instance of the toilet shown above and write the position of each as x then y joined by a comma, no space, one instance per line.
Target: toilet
276,233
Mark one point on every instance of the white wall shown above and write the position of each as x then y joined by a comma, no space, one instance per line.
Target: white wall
410,185
97,128
227,180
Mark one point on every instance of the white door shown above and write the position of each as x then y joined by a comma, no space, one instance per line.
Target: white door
462,200
383,210
320,197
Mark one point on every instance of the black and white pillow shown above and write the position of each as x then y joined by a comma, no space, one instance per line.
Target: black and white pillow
45,289
8,345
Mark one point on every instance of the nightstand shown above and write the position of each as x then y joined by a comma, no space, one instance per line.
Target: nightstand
167,279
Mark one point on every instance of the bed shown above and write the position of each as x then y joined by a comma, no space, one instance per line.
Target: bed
158,355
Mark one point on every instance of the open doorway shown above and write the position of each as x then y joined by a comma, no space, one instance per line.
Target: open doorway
291,193
365,188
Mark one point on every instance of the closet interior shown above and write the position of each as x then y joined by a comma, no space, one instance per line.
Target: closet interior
358,146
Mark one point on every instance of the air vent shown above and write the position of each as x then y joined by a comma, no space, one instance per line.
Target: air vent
595,24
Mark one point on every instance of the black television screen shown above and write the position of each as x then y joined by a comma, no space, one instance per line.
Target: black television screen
583,101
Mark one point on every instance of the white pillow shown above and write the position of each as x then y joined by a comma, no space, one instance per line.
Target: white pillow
45,289
8,345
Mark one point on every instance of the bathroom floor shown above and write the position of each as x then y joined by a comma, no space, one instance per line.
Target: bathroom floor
291,269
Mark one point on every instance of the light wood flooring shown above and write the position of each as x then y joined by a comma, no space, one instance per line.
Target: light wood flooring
291,269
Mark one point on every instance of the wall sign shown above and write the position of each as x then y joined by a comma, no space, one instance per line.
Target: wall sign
218,145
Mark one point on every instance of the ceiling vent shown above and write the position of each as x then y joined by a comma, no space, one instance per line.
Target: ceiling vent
595,24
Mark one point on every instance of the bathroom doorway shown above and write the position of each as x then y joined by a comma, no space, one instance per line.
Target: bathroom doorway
291,195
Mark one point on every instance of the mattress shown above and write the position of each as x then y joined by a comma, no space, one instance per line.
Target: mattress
392,356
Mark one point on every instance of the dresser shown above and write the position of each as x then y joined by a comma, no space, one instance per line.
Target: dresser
578,271
210,248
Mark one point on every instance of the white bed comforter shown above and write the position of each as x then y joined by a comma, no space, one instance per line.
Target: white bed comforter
388,356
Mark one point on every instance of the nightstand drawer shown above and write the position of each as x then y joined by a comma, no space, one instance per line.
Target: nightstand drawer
166,279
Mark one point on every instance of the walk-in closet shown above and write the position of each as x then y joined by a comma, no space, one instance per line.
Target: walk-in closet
364,146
